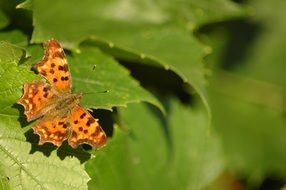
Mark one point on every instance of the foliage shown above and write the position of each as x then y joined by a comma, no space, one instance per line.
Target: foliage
191,93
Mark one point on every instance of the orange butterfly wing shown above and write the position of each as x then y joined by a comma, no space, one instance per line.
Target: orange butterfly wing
54,67
36,98
85,129
62,118
53,130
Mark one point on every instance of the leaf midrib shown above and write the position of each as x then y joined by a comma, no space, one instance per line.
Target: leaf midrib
20,165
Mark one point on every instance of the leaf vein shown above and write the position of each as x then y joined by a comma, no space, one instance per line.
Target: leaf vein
22,167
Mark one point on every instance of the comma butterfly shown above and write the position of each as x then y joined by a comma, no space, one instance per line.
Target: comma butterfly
61,116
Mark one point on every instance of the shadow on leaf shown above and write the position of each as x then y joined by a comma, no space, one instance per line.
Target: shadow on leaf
164,124
164,82
22,118
63,151
105,119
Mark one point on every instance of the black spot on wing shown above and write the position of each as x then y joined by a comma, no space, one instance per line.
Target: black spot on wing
82,115
90,121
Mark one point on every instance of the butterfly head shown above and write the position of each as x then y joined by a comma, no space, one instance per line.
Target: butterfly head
78,96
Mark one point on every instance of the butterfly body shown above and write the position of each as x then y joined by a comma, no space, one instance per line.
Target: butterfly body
67,102
62,105
61,116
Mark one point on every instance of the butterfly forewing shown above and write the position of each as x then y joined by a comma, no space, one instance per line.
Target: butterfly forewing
54,67
36,98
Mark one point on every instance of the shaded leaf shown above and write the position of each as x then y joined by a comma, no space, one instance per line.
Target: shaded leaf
248,102
263,63
15,37
166,153
4,21
252,132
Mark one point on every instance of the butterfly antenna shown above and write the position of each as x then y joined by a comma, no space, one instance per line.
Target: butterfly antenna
105,91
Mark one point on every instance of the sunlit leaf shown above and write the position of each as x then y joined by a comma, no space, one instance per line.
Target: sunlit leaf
19,168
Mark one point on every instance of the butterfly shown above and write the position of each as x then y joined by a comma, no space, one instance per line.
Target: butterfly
61,116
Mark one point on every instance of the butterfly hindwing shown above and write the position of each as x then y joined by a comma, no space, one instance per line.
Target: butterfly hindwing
85,129
53,130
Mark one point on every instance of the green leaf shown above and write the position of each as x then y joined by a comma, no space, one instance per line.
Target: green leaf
252,131
197,13
176,152
4,180
12,67
15,37
25,170
95,72
4,21
4,183
104,83
149,36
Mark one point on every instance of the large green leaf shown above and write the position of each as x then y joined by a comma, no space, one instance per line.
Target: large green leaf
95,72
176,152
19,168
143,30
103,82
